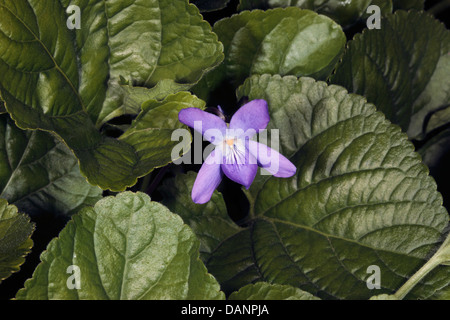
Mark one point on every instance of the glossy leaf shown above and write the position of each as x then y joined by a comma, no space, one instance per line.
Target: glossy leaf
361,197
343,12
15,242
38,173
436,155
402,68
438,119
433,102
435,149
280,41
67,81
133,97
151,133
127,248
267,291
144,42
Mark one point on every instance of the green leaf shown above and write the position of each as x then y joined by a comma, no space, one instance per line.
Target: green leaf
69,81
343,12
443,254
361,197
210,5
144,42
267,291
132,97
438,119
402,68
126,247
38,173
151,133
209,221
15,242
432,101
440,257
287,41
434,151
436,155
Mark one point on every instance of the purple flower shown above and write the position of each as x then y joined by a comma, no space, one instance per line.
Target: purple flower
234,155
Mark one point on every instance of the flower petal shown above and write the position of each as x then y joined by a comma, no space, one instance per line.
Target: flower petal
208,179
269,159
210,126
242,171
253,116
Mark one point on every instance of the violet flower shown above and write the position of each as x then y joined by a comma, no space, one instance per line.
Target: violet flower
234,155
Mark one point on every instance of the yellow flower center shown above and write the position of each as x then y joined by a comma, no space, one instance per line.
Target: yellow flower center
230,142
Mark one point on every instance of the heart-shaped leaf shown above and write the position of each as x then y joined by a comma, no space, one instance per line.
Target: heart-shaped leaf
436,155
15,242
126,247
287,41
70,81
437,120
267,291
144,42
151,133
361,198
402,68
435,149
343,12
38,173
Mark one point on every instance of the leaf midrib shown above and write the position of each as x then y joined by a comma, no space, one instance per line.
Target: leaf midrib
159,49
19,164
58,68
376,251
327,236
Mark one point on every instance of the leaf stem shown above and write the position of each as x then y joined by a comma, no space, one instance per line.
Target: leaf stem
417,277
157,180
439,7
440,257
145,182
251,201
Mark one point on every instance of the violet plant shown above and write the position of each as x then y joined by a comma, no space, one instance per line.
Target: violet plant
347,201
235,155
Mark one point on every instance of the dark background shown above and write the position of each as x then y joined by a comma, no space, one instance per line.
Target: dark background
49,226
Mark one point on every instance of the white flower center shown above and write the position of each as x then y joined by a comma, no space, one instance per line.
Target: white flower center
234,150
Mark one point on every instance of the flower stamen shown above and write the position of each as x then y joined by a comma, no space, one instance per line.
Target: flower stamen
230,142
234,151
